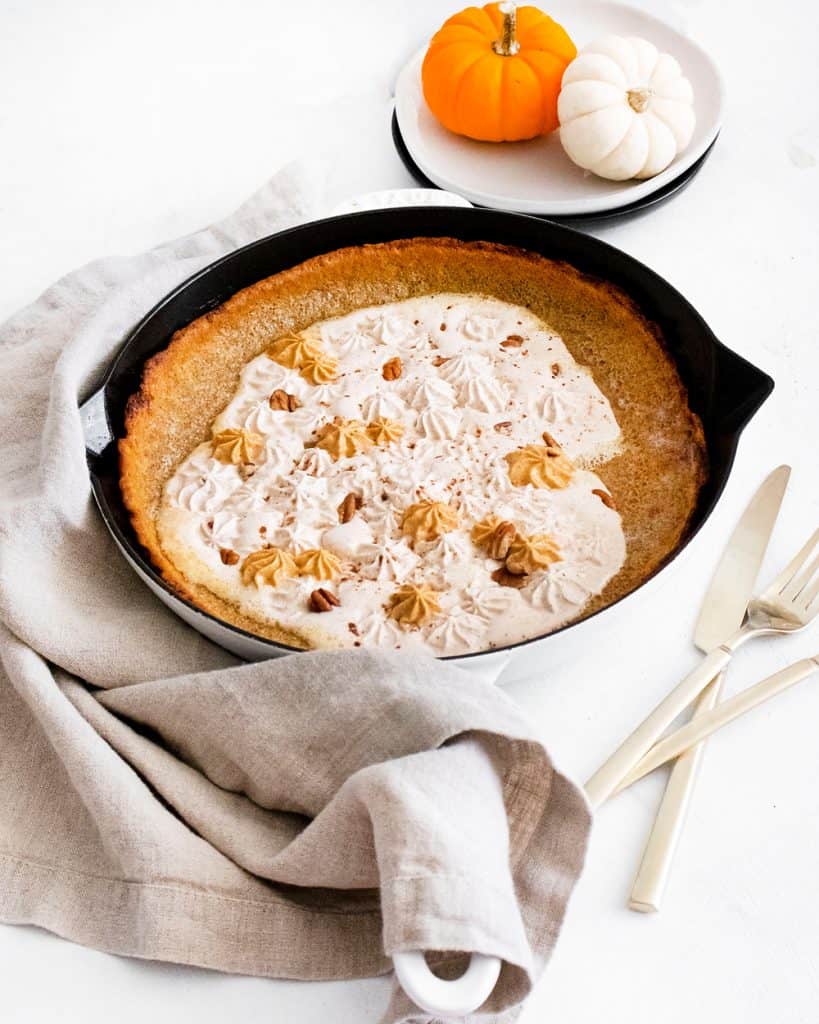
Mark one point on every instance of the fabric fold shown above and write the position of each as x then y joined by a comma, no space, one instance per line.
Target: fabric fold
305,817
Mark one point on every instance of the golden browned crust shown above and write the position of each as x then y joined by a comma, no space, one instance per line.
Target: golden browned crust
655,481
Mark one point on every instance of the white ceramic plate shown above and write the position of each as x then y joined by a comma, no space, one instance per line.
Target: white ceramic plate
537,176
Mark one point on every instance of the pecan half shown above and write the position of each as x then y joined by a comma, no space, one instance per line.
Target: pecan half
228,556
349,506
605,497
509,579
391,370
501,540
513,341
283,402
323,600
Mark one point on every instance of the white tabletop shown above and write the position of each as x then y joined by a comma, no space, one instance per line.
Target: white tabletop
122,124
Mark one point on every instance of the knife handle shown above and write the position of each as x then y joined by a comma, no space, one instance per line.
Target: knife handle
609,776
655,867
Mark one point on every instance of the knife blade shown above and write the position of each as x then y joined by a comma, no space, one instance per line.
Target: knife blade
732,585
721,613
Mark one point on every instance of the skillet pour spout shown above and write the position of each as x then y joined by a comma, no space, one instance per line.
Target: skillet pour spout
724,389
742,387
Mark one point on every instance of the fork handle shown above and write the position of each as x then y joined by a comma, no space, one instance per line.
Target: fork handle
609,776
703,725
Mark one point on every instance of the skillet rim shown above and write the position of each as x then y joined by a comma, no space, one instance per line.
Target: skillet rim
685,324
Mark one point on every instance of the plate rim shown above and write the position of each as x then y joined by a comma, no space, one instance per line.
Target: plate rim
635,208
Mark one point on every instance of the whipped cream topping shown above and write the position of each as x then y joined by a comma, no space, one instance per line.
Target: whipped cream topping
479,379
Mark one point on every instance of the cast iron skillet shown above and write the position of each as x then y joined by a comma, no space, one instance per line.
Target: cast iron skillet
723,388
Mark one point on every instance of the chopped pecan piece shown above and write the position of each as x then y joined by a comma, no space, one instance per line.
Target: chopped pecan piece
283,402
555,369
513,341
605,497
501,540
323,600
228,556
504,427
440,360
391,370
509,579
349,506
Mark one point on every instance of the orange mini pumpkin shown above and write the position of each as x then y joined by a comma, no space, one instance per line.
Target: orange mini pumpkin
494,73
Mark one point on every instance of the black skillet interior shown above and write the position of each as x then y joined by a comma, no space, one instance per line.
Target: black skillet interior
723,388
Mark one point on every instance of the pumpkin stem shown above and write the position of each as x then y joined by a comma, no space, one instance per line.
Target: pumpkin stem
639,99
507,45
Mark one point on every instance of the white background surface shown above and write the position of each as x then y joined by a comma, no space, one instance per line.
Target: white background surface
122,124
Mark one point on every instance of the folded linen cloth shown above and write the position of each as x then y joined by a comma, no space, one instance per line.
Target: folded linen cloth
304,817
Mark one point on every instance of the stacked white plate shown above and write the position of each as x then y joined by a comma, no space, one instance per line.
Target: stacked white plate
536,176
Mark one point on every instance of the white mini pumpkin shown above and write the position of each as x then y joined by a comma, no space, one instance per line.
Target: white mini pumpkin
625,110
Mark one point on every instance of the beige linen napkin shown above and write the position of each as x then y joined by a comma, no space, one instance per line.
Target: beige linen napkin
304,817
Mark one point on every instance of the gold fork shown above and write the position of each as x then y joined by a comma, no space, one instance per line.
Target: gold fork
787,605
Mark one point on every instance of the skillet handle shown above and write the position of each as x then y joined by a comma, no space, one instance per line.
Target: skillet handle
447,999
742,388
95,426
